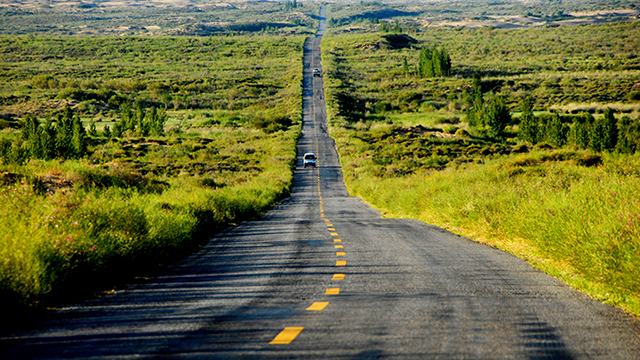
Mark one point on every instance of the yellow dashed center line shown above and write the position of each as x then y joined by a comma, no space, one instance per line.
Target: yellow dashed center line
331,229
341,253
318,306
337,240
341,263
334,234
338,246
332,291
287,335
338,277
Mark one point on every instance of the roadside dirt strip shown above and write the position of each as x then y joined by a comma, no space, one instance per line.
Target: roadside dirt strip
323,276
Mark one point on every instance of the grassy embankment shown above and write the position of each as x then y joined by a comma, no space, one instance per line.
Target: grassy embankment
572,213
133,203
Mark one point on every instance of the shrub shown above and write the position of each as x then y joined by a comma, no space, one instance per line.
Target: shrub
45,82
462,133
520,148
271,124
450,129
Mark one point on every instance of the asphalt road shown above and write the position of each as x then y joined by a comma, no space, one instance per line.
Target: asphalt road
322,276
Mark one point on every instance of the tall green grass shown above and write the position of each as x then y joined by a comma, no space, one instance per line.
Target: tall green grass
581,224
135,203
67,241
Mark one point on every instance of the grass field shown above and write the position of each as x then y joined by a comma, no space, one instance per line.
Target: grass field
73,222
576,222
569,211
181,118
153,18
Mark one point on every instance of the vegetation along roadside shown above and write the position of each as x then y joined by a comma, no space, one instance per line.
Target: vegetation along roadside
525,139
122,154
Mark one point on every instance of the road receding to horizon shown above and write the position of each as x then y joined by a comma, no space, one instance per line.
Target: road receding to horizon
323,276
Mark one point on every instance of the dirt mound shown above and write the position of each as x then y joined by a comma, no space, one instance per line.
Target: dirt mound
390,42
399,41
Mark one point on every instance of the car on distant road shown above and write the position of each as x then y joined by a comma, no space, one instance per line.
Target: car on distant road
310,159
317,72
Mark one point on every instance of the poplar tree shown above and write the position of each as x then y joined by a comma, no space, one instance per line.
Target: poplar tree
529,126
628,135
434,62
79,138
497,117
580,131
610,125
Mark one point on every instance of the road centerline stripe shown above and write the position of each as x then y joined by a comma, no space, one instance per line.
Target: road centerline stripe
341,253
337,240
318,306
287,335
338,277
332,291
338,246
341,263
334,234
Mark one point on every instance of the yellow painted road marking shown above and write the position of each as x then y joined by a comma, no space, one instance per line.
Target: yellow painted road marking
322,214
317,306
337,240
338,246
287,335
338,277
332,291
330,225
341,263
341,253
334,234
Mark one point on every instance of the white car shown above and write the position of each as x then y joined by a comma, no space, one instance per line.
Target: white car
310,159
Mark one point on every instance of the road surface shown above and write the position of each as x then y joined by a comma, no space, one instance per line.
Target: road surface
322,276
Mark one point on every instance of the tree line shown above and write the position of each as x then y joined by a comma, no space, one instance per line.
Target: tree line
432,62
605,133
490,115
139,120
65,137
387,27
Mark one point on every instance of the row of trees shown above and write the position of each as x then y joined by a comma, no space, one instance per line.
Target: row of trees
387,27
585,132
140,120
290,5
491,116
434,62
65,137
